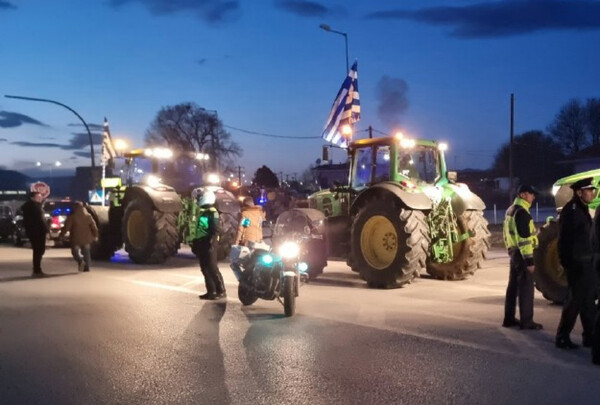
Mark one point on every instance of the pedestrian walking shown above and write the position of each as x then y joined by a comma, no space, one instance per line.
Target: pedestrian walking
82,232
205,244
575,254
36,229
249,230
596,273
520,238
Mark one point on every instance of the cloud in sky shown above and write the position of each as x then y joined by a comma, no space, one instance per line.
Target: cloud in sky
7,5
504,18
12,120
392,100
211,11
304,8
3,140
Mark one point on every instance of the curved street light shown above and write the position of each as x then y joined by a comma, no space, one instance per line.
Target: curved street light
327,28
68,108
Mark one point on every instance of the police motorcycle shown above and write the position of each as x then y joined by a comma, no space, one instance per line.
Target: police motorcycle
305,226
269,273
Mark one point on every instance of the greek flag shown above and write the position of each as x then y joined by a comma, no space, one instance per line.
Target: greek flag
108,150
345,110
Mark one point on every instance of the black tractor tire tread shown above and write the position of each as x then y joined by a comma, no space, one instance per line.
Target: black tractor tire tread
547,285
163,227
229,225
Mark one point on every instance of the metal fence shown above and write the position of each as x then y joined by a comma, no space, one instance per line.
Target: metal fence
495,216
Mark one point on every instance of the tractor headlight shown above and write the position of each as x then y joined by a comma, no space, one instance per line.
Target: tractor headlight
555,189
289,250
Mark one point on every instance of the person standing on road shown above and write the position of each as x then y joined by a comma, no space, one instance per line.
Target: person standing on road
249,229
36,229
596,264
204,246
520,239
575,254
82,232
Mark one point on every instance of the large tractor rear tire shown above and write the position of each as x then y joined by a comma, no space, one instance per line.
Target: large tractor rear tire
549,275
150,236
106,246
389,244
229,226
468,254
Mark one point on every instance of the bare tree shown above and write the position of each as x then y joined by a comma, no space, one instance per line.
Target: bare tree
569,127
592,107
536,158
189,127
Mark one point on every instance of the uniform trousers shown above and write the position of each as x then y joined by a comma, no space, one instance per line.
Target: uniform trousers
520,285
207,257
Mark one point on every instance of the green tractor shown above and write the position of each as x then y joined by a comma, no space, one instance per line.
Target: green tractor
549,275
148,216
402,213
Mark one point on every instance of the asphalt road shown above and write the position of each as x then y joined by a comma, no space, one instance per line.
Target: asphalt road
130,334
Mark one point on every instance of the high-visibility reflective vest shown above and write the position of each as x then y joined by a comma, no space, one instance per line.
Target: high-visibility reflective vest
203,224
512,239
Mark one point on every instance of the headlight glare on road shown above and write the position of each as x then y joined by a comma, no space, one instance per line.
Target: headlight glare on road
289,250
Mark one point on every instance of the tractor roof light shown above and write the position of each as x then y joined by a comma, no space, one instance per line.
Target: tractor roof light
202,156
399,135
443,146
159,153
407,143
213,178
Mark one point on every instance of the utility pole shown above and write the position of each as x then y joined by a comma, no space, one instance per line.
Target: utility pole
370,132
510,148
240,175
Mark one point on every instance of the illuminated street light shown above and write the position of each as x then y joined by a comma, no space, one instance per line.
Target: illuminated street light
327,28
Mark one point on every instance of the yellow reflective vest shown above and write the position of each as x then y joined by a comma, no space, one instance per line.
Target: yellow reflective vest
512,239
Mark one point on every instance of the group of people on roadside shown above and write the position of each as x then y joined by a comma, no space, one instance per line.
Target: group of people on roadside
579,255
80,225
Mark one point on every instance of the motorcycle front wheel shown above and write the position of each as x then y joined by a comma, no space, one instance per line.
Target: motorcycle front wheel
289,296
245,291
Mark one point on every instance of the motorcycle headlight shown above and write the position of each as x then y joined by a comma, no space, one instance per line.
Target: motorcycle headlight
302,267
267,259
289,250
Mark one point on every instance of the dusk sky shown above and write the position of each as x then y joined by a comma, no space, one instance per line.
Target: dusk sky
434,69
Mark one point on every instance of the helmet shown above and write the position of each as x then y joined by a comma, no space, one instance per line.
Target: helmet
207,198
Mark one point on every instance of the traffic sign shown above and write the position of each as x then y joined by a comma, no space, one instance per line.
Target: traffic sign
42,188
96,197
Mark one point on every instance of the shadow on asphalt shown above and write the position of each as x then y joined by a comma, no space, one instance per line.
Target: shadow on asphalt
338,279
30,277
253,316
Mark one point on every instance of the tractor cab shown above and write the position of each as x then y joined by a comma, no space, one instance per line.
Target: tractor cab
406,161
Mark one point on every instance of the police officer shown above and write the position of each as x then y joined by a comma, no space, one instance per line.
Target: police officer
575,254
36,229
205,246
520,240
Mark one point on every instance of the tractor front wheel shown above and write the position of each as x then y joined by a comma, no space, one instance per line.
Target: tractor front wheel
469,253
549,275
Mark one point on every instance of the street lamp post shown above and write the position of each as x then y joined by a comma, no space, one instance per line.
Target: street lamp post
327,28
70,109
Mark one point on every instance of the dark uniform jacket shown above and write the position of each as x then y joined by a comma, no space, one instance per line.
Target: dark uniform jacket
33,220
574,241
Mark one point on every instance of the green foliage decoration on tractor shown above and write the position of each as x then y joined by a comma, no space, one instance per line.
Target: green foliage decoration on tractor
549,275
147,216
402,213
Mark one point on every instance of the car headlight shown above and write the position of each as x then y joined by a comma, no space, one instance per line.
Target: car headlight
289,250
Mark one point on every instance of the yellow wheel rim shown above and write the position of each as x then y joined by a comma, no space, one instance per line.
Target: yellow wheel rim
137,230
379,242
552,263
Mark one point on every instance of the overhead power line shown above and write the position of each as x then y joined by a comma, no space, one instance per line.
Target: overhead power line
271,135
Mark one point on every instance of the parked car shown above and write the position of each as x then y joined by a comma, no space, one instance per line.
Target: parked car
6,222
56,213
